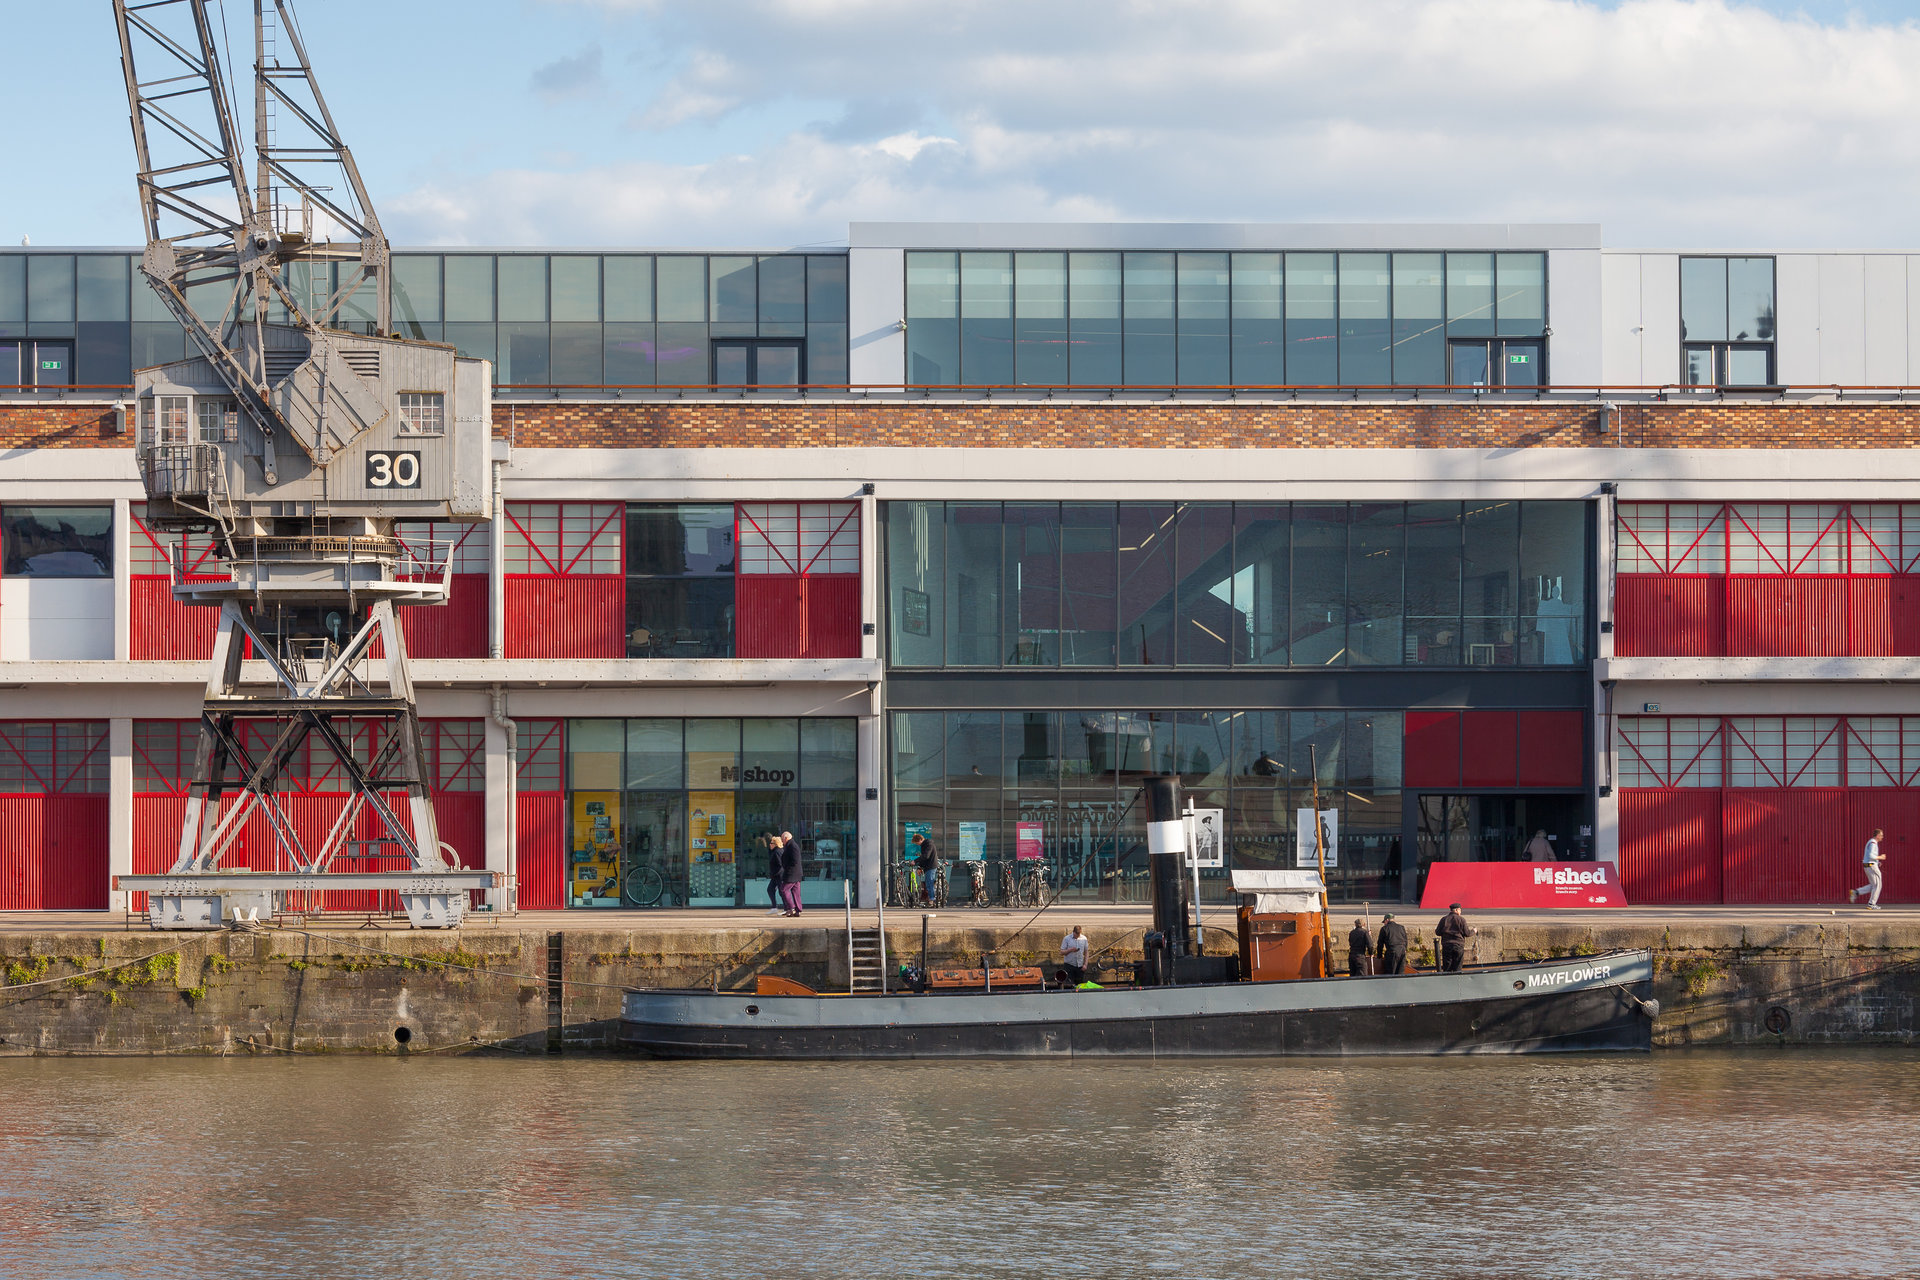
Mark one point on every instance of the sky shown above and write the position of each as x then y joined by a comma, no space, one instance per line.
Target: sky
775,123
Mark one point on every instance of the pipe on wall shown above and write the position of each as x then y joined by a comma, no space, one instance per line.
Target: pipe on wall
497,708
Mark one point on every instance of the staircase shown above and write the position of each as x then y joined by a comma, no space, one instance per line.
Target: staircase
868,965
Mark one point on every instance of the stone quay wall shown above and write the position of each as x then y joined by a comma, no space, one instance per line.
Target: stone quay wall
497,988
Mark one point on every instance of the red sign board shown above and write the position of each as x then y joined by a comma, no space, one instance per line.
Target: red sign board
1523,884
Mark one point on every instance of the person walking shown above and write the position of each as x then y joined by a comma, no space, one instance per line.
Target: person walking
1359,948
1453,931
1392,947
1871,860
776,905
791,872
1540,849
1073,955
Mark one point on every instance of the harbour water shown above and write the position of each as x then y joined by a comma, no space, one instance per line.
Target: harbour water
1729,1163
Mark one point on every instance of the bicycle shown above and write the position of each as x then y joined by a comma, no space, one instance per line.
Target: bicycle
977,890
937,886
641,885
1009,886
1030,887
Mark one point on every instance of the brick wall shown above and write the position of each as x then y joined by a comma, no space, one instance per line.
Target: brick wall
1160,425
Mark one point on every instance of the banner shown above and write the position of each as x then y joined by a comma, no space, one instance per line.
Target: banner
1027,841
1523,884
1206,842
1304,854
973,841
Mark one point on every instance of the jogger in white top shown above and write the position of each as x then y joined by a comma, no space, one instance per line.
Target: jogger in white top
1871,860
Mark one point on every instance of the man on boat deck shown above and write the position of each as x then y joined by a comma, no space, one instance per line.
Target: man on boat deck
1073,955
1393,945
1359,947
1453,931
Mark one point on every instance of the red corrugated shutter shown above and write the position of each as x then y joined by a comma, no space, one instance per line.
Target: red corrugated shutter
1488,748
53,853
163,629
833,616
1785,846
1782,617
456,629
1431,755
22,852
1657,615
1897,812
1869,620
156,836
1670,845
1553,749
540,845
582,616
768,615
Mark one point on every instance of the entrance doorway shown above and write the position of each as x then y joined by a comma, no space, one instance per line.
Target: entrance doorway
1497,362
754,362
1497,828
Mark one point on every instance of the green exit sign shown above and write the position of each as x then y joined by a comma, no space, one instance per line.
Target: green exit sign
50,364
1520,358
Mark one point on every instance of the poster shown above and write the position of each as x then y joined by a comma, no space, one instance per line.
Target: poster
915,612
1028,845
1303,851
711,832
1206,842
908,831
973,841
593,858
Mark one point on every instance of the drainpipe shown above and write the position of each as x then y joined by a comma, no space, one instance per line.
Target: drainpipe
498,706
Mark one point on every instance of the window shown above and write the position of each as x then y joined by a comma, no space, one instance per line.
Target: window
799,538
53,757
1768,538
563,539
219,421
56,542
680,588
758,363
1727,321
163,420
423,413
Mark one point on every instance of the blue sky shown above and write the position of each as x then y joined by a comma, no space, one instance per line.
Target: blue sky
776,122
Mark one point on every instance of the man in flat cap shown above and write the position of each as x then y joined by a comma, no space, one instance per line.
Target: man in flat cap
1453,931
1393,945
1359,948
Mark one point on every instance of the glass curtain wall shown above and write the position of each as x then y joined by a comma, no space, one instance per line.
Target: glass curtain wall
981,782
665,812
1161,318
1218,584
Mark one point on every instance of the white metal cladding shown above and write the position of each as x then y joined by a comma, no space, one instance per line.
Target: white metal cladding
564,538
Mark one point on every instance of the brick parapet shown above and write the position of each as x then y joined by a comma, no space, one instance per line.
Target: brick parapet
1490,424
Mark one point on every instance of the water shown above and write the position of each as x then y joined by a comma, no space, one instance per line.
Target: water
1723,1164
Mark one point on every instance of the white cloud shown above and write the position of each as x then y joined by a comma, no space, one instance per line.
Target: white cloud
1671,121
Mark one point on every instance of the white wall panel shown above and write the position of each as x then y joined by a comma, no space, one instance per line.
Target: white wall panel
1796,305
1843,339
1620,333
1659,319
1913,319
1885,317
876,303
43,618
1573,312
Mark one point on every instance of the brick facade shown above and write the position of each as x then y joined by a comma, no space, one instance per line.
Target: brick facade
787,424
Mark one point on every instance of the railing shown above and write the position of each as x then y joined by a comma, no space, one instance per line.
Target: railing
180,470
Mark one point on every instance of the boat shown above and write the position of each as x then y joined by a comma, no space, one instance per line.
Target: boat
1275,997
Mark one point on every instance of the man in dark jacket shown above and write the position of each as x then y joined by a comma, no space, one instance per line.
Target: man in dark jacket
928,861
1453,932
791,872
1359,947
1393,945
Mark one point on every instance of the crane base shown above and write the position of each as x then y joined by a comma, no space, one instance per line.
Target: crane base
221,899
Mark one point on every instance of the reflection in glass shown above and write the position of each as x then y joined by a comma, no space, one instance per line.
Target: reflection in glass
933,319
469,287
1433,583
1419,320
576,354
681,355
101,280
783,297
1553,583
523,287
576,288
1262,547
1470,366
1033,583
1089,591
1750,366
829,752
1470,295
627,354
655,753
1489,573
1203,355
1750,299
681,289
973,750
916,600
1319,587
1148,305
1204,573
1259,343
416,293
1366,305
1375,555
1521,307
973,584
50,289
680,592
986,319
1093,283
629,288
732,294
1146,584
1313,358
1040,319
1703,300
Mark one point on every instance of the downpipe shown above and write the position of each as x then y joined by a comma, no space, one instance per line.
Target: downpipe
497,706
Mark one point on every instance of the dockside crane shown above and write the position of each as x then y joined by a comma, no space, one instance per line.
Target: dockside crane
301,431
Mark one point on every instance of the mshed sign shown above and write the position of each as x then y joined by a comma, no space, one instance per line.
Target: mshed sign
1523,884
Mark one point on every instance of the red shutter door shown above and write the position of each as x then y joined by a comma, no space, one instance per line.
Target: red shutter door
1657,615
1553,749
1903,617
1897,812
156,836
832,616
1431,756
1488,748
1784,845
768,615
540,850
1869,616
1670,845
22,845
165,630
582,616
456,629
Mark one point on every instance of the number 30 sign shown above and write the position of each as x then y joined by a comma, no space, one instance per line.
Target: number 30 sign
393,470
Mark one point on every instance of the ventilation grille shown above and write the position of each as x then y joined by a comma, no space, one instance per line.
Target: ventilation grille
366,363
281,362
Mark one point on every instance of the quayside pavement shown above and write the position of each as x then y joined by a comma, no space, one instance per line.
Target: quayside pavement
94,983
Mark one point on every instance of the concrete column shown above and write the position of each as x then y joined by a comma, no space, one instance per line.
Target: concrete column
122,580
119,802
869,576
1606,808
499,819
872,782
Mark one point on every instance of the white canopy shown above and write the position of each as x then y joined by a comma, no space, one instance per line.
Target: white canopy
1280,892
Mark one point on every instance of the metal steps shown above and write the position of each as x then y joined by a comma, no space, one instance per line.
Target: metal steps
868,960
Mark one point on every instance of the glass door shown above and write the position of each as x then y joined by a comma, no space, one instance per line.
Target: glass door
52,364
757,362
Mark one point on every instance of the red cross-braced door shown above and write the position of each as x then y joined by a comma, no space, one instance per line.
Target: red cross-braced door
458,628
798,586
565,580
1757,809
53,815
540,836
1783,579
312,796
162,627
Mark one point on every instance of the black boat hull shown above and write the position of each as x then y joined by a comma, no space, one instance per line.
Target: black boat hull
1490,1011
